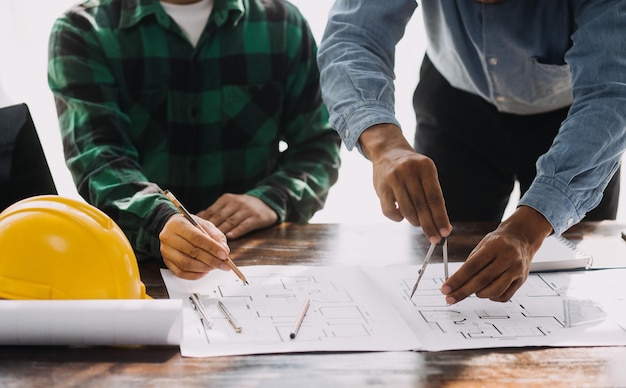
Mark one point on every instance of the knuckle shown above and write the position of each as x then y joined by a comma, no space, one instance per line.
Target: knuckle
420,206
193,251
435,200
230,221
215,217
197,239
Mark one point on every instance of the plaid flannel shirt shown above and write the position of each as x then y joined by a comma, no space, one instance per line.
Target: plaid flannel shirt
141,110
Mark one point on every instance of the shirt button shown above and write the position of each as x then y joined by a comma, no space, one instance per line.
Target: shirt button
493,61
570,221
347,133
500,98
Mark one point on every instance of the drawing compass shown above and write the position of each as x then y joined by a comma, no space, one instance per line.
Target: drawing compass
444,244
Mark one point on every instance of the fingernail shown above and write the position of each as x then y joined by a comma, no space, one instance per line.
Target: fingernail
434,240
446,290
444,232
450,300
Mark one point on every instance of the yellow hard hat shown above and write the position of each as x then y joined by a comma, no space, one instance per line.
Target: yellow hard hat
53,247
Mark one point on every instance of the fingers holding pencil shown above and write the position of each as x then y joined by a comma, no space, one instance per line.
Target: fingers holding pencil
208,229
187,251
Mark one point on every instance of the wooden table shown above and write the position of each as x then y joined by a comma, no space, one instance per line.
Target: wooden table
321,244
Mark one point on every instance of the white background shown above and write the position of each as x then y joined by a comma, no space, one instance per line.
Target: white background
24,30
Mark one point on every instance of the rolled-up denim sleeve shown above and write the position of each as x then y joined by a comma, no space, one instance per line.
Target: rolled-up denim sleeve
356,59
588,149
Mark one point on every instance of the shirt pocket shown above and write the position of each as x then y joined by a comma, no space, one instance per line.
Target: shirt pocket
552,83
250,115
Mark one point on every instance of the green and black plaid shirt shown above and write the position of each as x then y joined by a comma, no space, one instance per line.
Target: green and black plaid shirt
141,109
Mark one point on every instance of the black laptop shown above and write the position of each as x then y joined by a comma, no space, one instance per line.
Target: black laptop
24,171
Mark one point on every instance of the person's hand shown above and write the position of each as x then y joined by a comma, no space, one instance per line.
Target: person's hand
500,263
188,252
238,214
406,182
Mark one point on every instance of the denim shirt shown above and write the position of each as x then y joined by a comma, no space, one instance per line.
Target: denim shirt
523,56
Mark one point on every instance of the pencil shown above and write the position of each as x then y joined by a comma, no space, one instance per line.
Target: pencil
445,258
296,327
230,317
188,216
206,320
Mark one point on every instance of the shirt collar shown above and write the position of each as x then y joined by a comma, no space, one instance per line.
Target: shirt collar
228,11
224,11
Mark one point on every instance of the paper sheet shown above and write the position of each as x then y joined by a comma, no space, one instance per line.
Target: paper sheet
91,322
369,309
582,308
346,313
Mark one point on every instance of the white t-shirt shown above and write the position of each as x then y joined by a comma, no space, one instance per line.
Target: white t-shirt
191,18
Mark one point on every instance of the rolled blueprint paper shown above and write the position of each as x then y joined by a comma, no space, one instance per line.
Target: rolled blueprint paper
91,322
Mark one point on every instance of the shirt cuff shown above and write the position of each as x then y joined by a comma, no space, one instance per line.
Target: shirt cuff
359,117
148,243
553,204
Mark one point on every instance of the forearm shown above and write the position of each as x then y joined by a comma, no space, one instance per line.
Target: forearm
300,184
136,205
528,224
379,140
107,175
572,175
356,59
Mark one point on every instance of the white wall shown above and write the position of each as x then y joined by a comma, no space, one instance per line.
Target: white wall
24,29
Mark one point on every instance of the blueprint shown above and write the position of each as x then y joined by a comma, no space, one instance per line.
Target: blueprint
346,313
580,308
369,309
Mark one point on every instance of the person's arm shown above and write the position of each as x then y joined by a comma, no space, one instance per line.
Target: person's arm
98,151
357,72
588,149
573,173
104,162
356,59
305,171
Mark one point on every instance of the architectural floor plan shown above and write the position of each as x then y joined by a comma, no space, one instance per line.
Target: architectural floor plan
547,310
369,309
346,313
